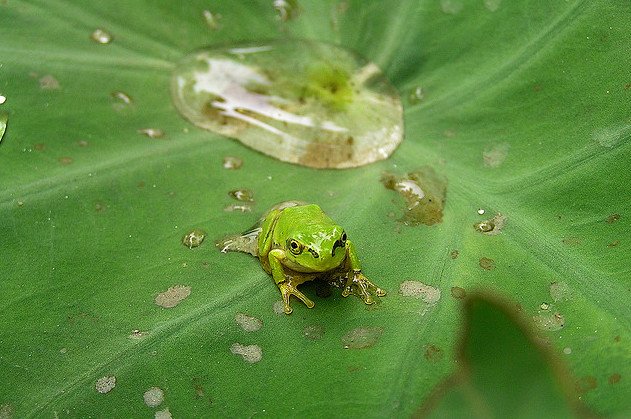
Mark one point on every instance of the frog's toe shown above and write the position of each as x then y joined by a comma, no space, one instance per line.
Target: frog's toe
287,290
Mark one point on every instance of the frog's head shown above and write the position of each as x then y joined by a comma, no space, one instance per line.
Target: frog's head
316,249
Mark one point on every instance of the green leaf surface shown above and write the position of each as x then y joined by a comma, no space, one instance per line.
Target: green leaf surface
530,384
525,113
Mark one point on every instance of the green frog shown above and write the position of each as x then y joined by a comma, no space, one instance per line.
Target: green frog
297,242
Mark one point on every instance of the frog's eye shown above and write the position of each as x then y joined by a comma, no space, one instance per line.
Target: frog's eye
343,238
294,246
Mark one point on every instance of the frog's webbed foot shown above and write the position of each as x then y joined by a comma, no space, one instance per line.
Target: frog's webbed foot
360,286
287,289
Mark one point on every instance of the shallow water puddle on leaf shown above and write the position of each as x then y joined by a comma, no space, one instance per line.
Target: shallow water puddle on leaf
424,192
303,102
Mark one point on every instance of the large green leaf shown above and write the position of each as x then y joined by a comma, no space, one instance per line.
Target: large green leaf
526,113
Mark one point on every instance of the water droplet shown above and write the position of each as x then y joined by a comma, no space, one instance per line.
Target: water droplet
433,353
82,143
153,397
492,5
173,296
49,82
544,306
613,218
4,120
416,95
551,322
248,323
212,19
163,414
494,157
105,384
454,254
481,211
451,7
2,99
567,350
313,332
238,208
232,163
362,337
137,334
492,226
249,353
193,238
303,102
101,36
242,195
487,264
484,226
458,293
151,132
417,289
424,193
560,291
286,9
122,97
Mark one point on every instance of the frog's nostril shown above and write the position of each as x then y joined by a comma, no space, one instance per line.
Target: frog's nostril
314,253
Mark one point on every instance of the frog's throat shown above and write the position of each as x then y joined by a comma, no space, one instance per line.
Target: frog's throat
321,268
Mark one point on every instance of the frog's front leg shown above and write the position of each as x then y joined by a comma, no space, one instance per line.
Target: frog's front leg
356,282
286,284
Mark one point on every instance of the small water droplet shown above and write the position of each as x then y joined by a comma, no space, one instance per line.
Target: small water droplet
163,414
544,306
101,36
424,193
487,264
4,120
249,353
458,292
492,5
49,82
122,97
82,143
451,7
416,95
362,337
153,397
105,384
481,211
286,9
303,102
137,334
151,132
248,323
173,296
211,19
313,332
567,350
193,238
242,195
494,157
484,226
238,208
2,99
232,163
613,218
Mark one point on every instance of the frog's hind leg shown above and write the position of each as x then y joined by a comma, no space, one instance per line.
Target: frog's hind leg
246,242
